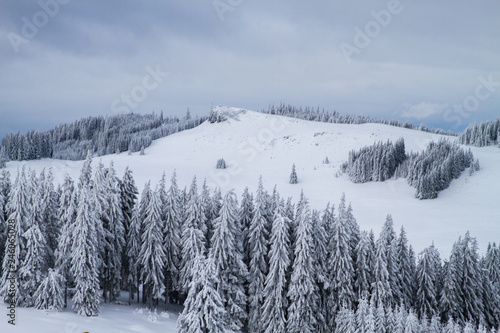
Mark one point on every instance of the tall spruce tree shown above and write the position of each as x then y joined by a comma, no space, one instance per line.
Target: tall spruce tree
258,245
275,299
85,259
152,255
128,198
227,254
303,290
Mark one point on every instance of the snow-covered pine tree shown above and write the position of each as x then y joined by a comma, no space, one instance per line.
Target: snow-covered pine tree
426,302
340,266
134,240
293,176
85,259
303,290
18,209
193,236
361,315
116,232
152,255
35,263
211,207
258,244
404,274
128,198
320,262
49,224
245,215
50,293
203,309
388,239
345,321
412,324
67,216
381,288
274,318
172,238
227,254
86,172
365,259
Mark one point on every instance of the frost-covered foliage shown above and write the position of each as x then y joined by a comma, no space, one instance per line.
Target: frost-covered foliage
432,170
293,176
481,135
293,270
429,171
101,135
375,163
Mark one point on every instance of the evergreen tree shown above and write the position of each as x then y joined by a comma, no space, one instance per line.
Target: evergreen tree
172,236
320,261
128,198
381,288
35,263
18,209
345,322
412,325
193,236
404,275
303,291
85,260
245,214
227,254
50,293
49,224
275,300
152,255
340,266
365,254
258,244
293,176
203,308
67,217
426,302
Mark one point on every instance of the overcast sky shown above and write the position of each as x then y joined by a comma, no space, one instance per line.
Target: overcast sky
431,62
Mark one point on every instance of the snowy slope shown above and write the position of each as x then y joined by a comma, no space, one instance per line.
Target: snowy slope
254,144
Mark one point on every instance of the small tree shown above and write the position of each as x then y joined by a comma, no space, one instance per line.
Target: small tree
221,164
293,176
50,293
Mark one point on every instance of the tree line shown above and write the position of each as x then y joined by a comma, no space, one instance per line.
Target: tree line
263,264
101,135
429,171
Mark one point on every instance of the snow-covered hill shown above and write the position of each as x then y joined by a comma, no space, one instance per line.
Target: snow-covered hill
254,144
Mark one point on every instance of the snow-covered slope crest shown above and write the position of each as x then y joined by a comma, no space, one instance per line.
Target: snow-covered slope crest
254,144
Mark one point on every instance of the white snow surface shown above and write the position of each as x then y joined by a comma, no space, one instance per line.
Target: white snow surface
254,144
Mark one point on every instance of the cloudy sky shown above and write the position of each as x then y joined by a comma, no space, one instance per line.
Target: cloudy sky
436,63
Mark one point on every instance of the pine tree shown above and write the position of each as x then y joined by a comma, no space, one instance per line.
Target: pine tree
49,224
18,209
293,176
320,261
203,308
412,325
134,238
152,255
340,265
172,236
258,244
345,322
388,240
35,263
303,291
381,289
67,216
404,275
193,236
50,293
365,254
275,300
128,198
227,254
426,302
85,260
245,214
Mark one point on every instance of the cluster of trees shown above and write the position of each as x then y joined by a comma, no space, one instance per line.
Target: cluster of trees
375,163
432,170
312,114
429,171
101,135
264,264
481,135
